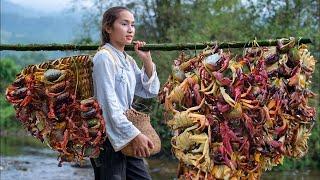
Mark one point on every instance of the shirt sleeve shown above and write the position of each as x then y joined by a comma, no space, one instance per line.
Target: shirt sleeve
146,87
119,129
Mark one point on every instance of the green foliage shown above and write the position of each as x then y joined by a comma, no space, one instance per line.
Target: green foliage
13,145
8,120
22,59
8,71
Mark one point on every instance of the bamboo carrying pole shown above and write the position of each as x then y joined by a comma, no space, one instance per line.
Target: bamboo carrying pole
159,47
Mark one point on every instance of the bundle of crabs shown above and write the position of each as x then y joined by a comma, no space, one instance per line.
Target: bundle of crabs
50,102
235,116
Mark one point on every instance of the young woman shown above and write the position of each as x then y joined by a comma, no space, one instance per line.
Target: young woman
117,78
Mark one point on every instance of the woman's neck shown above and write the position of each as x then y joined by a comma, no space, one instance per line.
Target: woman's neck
118,46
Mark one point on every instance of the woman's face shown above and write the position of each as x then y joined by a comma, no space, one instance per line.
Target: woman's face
123,30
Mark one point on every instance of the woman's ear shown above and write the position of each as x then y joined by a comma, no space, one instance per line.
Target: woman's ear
107,29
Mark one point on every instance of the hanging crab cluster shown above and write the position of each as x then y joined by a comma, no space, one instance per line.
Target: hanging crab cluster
237,116
45,98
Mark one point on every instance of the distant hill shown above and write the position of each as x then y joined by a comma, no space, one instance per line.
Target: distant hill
8,7
24,25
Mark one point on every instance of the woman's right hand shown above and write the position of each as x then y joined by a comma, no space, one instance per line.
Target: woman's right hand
141,145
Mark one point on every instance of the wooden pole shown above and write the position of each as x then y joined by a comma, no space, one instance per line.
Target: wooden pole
159,47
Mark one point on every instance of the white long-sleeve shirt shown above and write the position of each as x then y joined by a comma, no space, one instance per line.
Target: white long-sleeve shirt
116,79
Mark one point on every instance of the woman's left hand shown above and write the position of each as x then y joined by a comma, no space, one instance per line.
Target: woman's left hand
145,56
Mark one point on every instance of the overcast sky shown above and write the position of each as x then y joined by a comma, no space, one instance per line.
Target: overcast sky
43,5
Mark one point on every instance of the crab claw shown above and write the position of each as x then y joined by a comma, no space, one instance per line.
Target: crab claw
285,47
